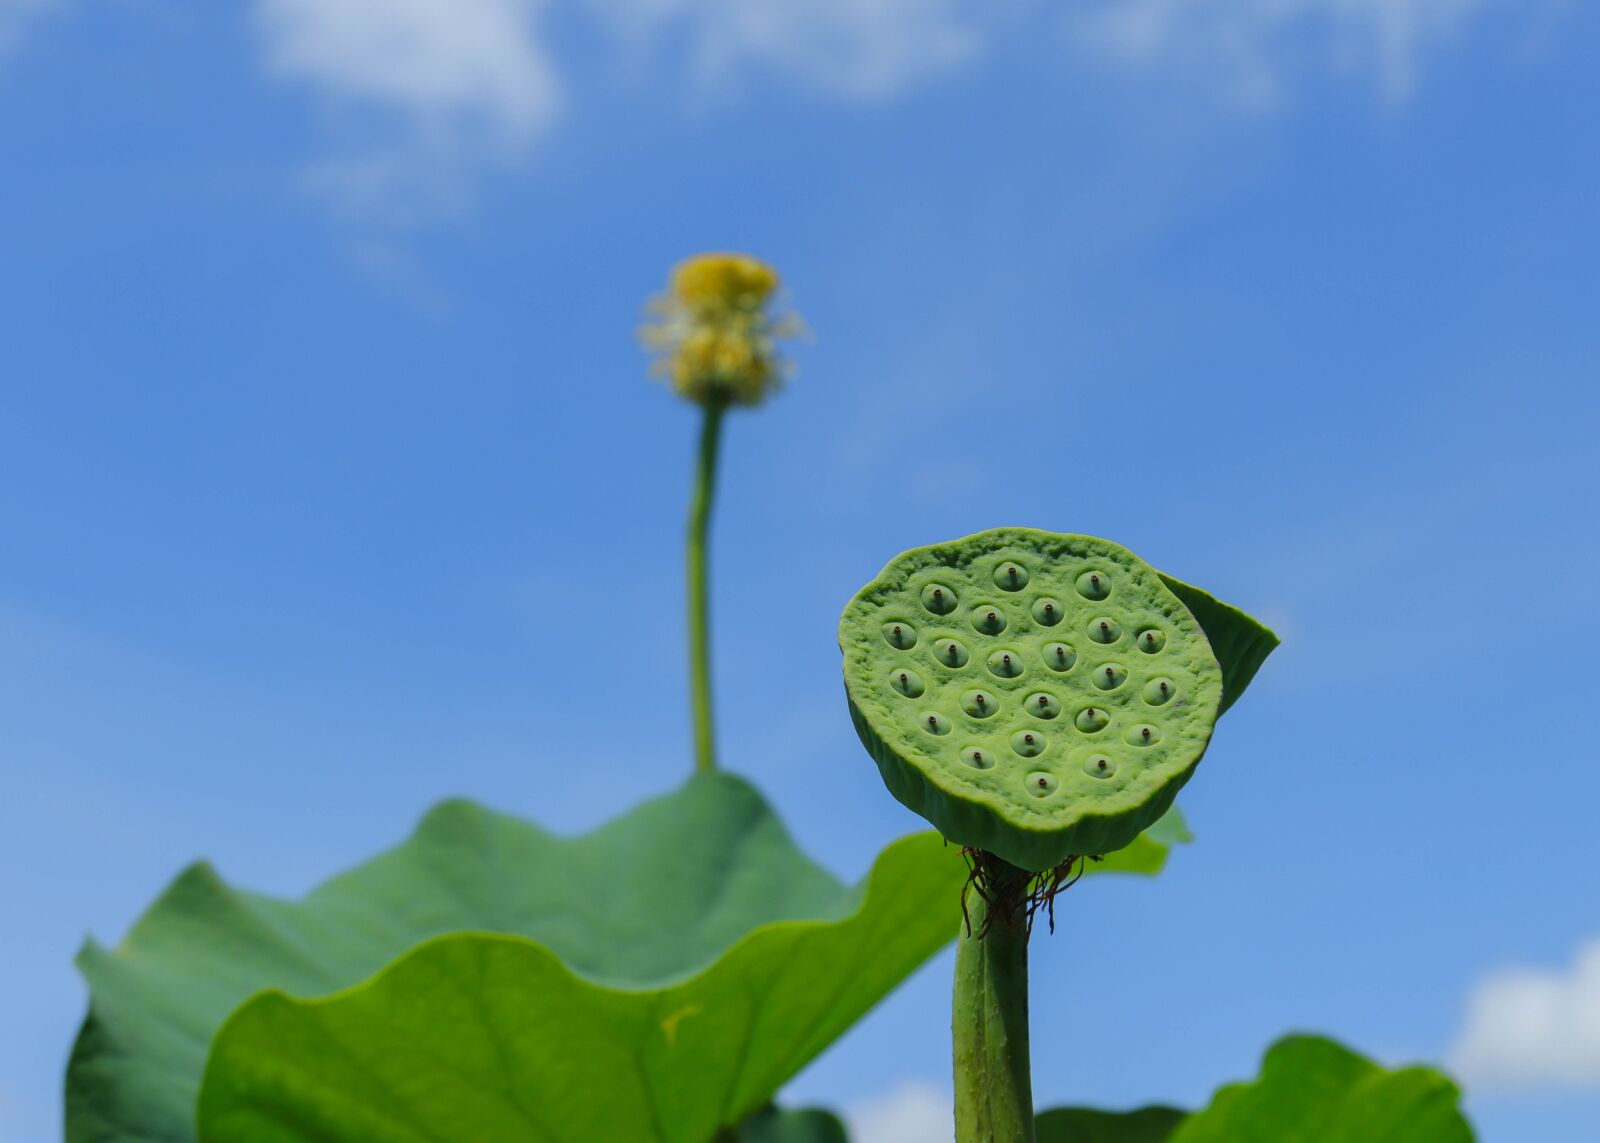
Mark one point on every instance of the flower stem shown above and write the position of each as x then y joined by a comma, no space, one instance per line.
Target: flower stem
705,481
993,1085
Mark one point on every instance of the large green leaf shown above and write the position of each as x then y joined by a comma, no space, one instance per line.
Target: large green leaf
1311,1090
650,897
647,899
1240,643
479,1036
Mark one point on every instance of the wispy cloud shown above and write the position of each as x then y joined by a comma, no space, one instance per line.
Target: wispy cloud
1529,1028
1248,52
428,88
425,93
911,1113
14,14
422,94
845,48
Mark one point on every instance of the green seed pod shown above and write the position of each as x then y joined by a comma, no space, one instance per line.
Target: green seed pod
1083,719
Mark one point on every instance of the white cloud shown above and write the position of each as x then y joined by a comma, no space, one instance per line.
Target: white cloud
1533,1028
457,83
911,1113
1247,50
449,86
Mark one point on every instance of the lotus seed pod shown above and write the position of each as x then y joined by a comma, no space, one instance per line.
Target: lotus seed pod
1046,695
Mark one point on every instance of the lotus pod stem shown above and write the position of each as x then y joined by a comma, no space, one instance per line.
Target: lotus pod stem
989,1025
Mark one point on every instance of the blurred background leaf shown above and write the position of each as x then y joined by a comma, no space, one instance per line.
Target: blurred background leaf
1311,1090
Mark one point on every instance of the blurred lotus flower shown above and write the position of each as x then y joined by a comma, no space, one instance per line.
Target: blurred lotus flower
717,330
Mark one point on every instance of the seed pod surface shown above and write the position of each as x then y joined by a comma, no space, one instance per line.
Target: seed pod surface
1075,746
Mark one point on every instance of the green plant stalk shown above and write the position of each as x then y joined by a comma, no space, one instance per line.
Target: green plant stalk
705,486
993,1082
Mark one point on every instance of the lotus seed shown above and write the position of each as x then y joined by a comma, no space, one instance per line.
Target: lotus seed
1010,577
976,758
1041,784
1099,766
1090,585
1151,640
951,653
1043,705
900,635
937,725
1005,663
1092,719
1158,691
1142,735
907,682
1028,745
938,599
1046,612
989,620
1105,630
1059,657
978,704
1110,677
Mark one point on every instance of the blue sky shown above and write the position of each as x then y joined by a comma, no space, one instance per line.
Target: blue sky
317,381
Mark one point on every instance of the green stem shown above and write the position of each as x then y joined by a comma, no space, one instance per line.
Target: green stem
994,1088
705,483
